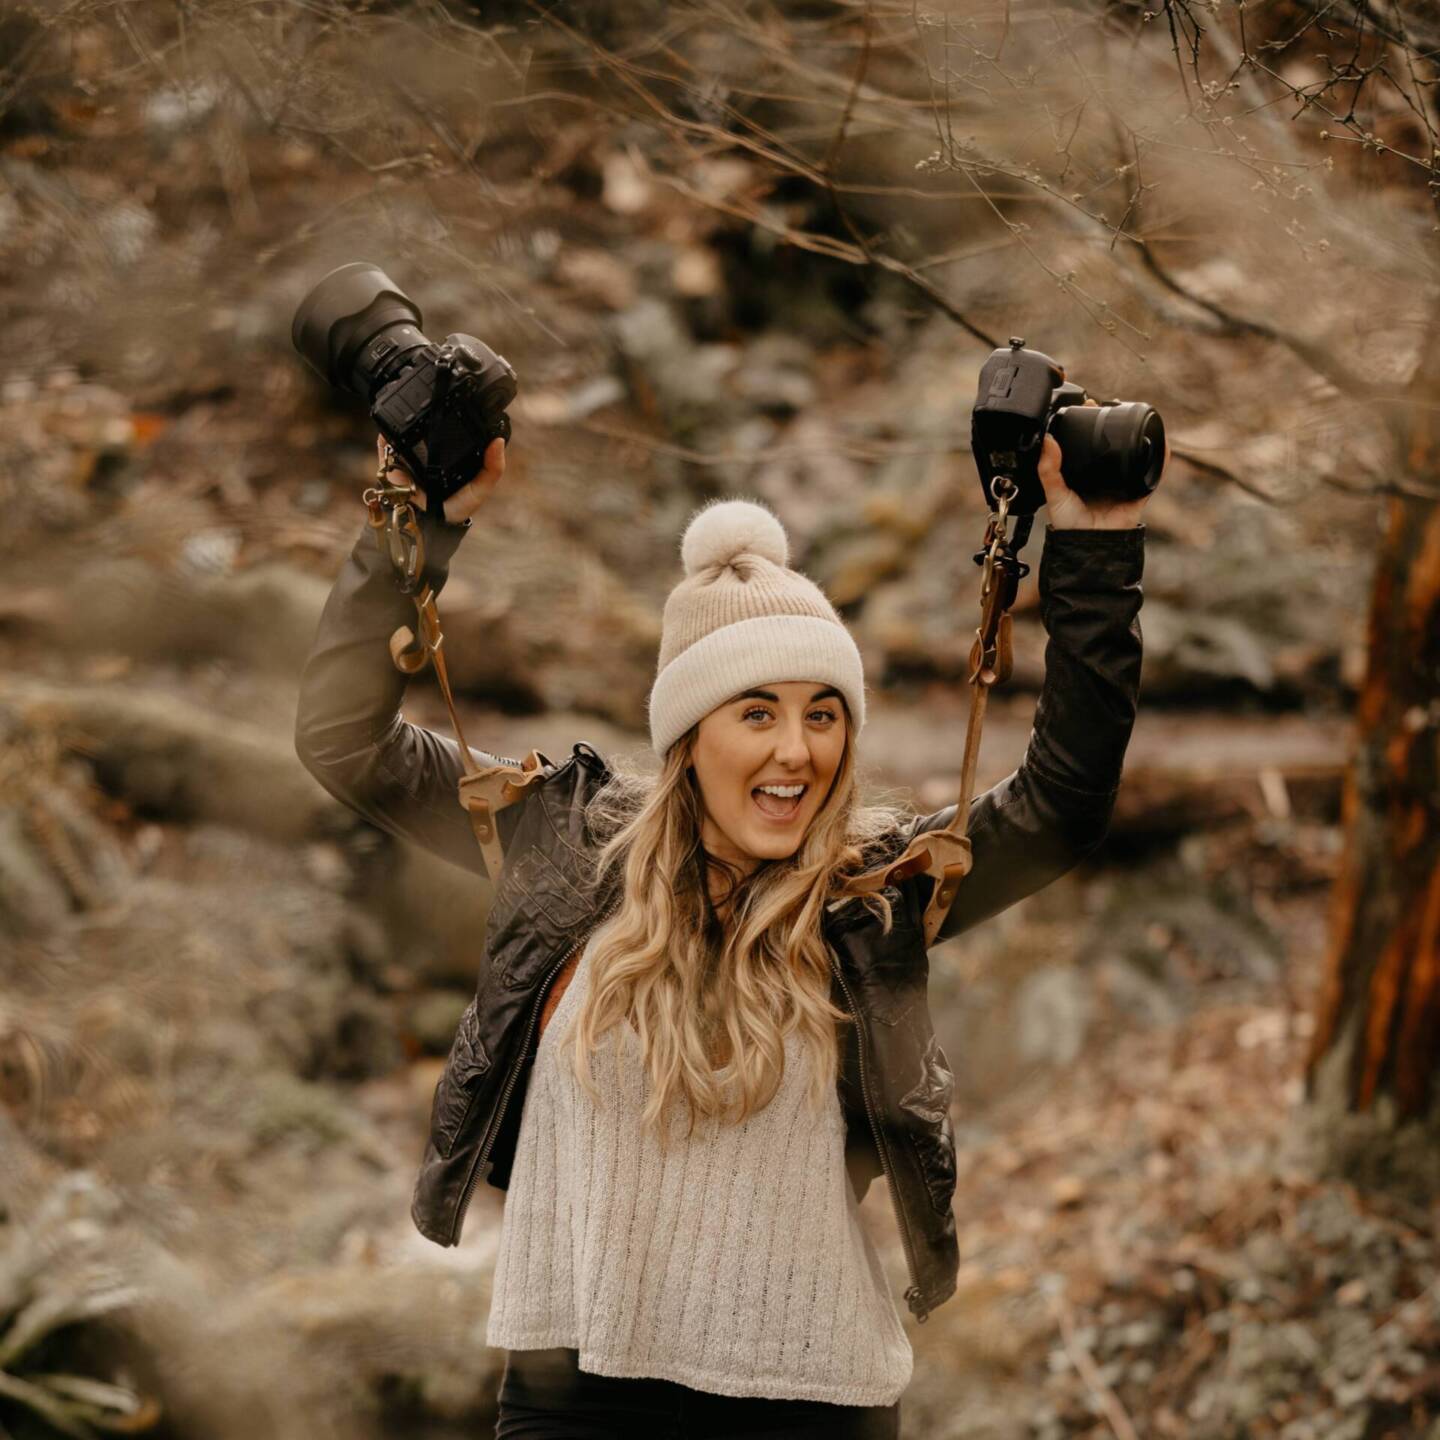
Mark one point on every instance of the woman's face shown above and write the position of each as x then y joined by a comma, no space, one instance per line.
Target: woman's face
787,734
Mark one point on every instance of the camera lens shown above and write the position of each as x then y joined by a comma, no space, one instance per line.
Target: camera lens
1117,451
354,325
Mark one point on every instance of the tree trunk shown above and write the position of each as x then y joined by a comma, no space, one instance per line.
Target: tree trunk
1372,1066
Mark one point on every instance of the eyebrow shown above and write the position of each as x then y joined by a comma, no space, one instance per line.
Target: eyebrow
774,699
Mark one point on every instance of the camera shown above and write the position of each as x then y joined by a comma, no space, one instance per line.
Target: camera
1111,451
439,406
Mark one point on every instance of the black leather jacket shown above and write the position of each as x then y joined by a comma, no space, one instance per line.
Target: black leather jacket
895,1084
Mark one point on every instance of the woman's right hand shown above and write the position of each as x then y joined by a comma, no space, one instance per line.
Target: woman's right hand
460,506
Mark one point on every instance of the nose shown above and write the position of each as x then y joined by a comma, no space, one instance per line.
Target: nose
792,747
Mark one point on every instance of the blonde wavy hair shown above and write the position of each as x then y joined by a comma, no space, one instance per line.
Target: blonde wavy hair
712,1000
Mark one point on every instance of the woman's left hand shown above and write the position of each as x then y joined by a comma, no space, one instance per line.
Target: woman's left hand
1069,512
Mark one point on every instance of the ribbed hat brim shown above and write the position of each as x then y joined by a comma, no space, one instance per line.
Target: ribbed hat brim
740,656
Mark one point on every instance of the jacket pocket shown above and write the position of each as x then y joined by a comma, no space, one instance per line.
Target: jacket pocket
927,1110
550,889
536,909
465,1067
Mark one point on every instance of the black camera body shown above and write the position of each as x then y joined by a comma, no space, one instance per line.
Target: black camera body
1111,451
439,405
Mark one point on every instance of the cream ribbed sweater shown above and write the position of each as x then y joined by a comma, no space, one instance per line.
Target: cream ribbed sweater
736,1263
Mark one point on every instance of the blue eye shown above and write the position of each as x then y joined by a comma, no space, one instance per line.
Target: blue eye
761,710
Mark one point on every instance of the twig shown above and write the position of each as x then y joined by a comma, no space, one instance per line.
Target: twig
1109,1403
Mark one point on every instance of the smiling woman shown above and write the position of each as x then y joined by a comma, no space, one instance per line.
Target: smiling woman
700,1045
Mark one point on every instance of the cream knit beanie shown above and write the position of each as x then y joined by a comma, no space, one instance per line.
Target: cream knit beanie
740,618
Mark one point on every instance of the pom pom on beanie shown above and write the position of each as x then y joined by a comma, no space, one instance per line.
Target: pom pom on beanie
725,529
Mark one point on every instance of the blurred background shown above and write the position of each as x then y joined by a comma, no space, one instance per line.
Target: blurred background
754,247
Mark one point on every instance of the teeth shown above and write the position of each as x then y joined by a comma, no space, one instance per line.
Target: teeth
786,792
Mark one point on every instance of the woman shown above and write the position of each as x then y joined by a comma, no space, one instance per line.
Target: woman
681,1252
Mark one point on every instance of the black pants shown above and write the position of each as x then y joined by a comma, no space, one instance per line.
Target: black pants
546,1396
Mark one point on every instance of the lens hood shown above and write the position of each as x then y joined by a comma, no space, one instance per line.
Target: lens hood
1115,451
349,308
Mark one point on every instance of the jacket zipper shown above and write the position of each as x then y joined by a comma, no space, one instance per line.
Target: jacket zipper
510,1080
912,1295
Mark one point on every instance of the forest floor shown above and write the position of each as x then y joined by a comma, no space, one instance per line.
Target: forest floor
1147,1249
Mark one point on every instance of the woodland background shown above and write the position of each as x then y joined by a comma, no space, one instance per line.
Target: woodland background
731,246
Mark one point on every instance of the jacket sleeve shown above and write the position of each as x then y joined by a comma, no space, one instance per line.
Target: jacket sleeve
1054,810
349,733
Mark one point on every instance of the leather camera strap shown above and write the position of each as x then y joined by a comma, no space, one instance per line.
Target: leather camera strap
945,853
482,790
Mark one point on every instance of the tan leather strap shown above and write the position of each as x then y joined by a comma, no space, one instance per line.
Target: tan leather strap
945,854
482,790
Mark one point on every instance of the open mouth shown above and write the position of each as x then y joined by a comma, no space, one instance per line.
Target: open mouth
777,807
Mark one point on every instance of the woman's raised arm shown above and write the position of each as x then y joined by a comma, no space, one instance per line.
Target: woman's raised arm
349,733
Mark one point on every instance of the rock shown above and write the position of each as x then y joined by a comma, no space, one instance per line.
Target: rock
169,757
32,897
533,636
597,276
205,1329
1253,609
627,189
686,379
1189,653
696,273
1053,1007
434,1016
177,107
812,486
854,566
1173,931
263,617
777,374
